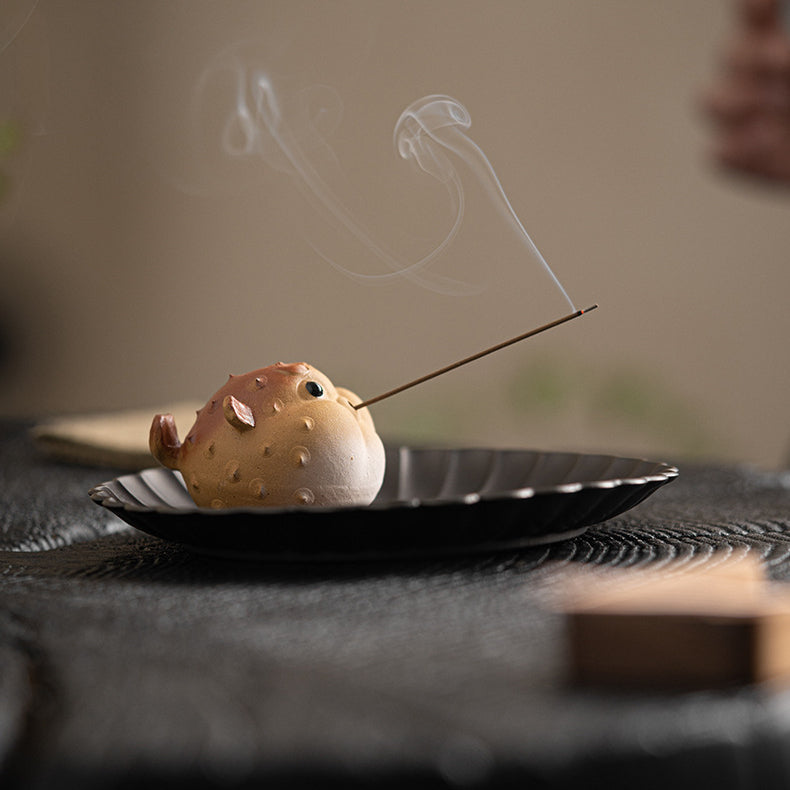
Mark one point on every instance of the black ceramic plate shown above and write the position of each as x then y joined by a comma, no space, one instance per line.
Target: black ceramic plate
431,502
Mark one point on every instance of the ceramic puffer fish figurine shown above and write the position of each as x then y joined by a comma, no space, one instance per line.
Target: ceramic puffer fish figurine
283,435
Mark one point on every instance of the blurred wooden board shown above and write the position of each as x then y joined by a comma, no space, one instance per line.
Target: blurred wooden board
116,439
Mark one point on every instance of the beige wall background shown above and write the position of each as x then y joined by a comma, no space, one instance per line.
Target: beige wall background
141,262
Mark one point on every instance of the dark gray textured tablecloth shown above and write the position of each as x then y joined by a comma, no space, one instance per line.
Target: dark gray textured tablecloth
126,661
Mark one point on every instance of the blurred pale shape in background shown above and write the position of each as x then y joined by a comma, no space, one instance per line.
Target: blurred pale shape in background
158,232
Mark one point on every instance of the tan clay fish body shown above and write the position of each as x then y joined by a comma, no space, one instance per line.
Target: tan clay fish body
280,436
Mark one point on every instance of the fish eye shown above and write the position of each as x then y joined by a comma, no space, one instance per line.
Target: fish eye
314,388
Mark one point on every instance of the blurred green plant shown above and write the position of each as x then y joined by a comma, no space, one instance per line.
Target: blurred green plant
544,386
427,423
641,401
10,140
625,397
623,404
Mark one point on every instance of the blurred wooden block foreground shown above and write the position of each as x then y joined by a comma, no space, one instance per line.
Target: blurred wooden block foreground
718,626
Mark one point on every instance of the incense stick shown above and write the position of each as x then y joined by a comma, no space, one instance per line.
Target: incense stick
479,354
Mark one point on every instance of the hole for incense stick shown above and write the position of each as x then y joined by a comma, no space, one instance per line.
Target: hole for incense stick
478,355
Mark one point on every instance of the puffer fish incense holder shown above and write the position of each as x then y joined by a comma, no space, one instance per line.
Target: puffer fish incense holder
282,435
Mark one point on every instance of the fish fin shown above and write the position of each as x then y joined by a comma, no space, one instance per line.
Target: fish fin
238,414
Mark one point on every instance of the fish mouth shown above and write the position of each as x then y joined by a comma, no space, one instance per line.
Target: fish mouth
345,402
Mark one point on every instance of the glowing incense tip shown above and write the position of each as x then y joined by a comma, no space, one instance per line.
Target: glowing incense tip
479,354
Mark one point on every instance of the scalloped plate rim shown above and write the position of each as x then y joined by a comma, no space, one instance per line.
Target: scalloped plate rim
525,497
